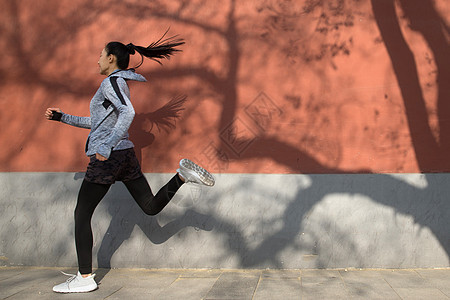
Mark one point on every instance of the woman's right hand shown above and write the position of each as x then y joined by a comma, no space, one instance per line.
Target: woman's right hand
49,112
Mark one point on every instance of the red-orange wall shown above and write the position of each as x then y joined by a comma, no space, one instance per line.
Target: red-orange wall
307,86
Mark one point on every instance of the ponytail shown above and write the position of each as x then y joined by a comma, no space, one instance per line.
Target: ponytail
162,48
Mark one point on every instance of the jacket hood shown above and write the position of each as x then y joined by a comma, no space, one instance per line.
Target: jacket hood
129,74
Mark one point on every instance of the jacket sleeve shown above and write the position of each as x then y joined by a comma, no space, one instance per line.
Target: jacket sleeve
116,91
82,122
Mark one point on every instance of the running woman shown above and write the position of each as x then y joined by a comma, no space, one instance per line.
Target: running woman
111,153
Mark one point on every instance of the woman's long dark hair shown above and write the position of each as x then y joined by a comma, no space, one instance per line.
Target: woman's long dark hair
162,48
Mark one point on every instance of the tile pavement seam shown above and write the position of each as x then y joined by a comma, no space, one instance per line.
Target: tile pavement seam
299,278
24,289
392,288
113,293
256,287
12,295
209,291
443,293
420,275
175,280
343,281
18,274
18,292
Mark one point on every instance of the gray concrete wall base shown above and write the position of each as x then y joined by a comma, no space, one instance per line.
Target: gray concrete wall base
245,221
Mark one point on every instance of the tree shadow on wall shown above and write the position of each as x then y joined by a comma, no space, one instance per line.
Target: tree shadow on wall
329,238
32,44
430,153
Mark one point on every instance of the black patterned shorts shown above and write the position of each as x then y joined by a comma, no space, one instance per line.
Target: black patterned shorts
122,165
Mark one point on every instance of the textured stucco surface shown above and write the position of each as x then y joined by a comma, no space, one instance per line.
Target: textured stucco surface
245,221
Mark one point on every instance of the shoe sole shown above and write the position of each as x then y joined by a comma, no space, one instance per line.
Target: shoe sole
75,292
205,177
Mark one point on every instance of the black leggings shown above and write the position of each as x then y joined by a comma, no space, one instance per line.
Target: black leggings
90,196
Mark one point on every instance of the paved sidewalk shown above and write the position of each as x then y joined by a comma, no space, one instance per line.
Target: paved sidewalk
36,283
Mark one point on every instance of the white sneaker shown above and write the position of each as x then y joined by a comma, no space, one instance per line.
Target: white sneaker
76,284
192,172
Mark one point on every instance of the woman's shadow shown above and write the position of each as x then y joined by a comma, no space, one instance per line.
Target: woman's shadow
126,215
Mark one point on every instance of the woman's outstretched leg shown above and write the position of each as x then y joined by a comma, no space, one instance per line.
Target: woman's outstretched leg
149,203
153,204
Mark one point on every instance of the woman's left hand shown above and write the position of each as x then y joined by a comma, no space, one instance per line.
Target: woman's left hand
100,157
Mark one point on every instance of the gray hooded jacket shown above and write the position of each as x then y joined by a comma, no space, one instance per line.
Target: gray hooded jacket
111,115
